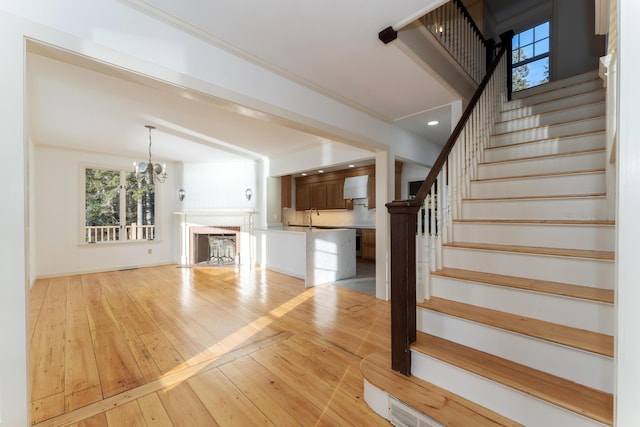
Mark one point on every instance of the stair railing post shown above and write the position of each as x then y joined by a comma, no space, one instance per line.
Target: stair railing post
505,40
403,216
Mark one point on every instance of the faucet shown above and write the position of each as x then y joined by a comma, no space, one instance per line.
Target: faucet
310,216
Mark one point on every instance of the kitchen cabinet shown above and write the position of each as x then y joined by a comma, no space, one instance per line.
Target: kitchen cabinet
368,244
371,191
285,191
335,194
303,197
319,196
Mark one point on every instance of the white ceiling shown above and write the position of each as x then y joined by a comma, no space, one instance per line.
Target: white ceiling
331,46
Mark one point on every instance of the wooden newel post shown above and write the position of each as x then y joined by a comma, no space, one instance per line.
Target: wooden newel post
403,282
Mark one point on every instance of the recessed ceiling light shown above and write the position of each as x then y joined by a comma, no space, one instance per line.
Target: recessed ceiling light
320,171
432,123
304,174
352,166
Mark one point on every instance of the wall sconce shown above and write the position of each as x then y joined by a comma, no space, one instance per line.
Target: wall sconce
181,194
248,193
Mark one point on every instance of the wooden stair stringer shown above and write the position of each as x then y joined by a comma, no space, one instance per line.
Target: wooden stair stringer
577,398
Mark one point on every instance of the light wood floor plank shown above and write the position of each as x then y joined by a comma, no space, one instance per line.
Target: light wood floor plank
47,366
118,368
99,420
153,411
262,392
184,407
225,402
82,380
128,415
36,299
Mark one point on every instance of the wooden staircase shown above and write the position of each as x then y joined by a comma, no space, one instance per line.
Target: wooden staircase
520,319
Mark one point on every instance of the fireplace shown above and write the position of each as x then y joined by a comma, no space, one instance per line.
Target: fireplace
207,235
209,245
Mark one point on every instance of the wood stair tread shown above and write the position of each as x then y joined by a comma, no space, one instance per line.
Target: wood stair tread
580,253
544,156
573,337
436,402
541,175
543,286
581,399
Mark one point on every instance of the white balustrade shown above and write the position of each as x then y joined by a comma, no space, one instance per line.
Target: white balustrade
443,203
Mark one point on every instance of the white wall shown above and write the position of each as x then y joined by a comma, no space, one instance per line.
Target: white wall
220,185
412,172
59,204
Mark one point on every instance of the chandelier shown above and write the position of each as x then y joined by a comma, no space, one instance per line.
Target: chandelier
149,172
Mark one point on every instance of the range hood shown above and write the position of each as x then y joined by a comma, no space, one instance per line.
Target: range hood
355,187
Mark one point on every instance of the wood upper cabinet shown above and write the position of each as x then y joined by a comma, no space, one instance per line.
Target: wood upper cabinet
285,191
335,194
303,197
371,191
319,196
326,191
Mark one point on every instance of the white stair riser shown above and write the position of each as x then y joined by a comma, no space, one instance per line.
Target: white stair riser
557,94
551,131
511,403
567,102
588,77
577,313
550,146
552,185
588,208
572,270
565,115
573,162
590,237
576,365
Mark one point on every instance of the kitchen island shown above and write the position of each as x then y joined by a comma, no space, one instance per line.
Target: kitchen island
316,255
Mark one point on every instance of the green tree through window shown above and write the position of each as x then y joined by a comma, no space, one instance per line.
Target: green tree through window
112,214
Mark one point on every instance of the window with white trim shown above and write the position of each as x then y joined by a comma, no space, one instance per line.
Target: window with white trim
117,206
530,57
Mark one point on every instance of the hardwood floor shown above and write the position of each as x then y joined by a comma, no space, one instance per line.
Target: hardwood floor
172,346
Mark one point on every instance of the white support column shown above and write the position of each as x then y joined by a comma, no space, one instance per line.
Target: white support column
627,410
385,174
14,395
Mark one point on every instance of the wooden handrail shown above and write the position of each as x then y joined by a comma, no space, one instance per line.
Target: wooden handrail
403,215
442,158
